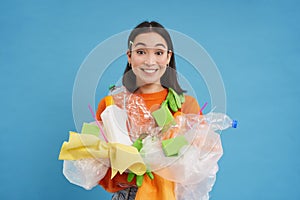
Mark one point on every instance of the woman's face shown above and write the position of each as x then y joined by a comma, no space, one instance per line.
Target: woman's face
148,58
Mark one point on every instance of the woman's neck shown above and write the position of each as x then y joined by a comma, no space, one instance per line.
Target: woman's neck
149,88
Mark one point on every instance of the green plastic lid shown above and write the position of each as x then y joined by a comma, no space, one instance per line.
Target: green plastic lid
111,86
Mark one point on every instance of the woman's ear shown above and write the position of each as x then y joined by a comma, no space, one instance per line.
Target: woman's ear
128,56
169,55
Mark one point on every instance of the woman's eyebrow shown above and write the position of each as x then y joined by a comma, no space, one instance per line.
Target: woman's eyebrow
143,44
140,43
160,44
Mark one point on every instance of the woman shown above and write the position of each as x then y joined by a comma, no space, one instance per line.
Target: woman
150,71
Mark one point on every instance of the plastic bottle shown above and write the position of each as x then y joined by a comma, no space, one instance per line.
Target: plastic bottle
113,89
119,95
219,121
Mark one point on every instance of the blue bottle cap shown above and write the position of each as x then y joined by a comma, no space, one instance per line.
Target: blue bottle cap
234,123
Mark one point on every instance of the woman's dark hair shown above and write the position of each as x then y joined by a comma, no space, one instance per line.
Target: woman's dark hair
169,78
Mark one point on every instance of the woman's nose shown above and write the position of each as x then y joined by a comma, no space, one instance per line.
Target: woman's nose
150,60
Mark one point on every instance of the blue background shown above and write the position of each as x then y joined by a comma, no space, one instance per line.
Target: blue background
255,45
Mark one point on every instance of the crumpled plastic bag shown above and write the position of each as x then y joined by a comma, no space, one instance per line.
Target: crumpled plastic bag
194,168
85,172
193,162
198,191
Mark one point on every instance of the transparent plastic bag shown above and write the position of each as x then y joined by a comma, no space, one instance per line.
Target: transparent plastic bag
194,168
198,191
191,166
86,172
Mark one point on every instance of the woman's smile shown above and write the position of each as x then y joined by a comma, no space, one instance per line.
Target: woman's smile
149,71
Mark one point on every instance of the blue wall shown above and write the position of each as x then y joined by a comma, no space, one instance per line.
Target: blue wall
255,45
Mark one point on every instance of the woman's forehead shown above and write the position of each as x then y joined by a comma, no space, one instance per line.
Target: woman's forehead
149,40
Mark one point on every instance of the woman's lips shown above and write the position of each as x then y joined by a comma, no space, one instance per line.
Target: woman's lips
149,71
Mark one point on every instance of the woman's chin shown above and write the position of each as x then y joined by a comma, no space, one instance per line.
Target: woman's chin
149,82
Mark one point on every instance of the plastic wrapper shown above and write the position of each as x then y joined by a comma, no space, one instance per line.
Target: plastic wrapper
198,191
194,161
194,168
85,173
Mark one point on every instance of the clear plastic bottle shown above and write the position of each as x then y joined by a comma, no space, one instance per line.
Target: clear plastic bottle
119,94
113,89
219,121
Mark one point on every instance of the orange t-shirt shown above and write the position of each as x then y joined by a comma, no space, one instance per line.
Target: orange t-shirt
152,102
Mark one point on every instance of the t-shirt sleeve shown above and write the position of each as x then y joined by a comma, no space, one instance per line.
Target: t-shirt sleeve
190,106
100,109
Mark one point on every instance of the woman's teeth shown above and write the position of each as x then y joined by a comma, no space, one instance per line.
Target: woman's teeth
149,70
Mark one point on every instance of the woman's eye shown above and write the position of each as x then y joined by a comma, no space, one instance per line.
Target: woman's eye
140,52
159,53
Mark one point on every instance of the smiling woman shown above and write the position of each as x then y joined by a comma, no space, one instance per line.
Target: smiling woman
151,76
153,132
